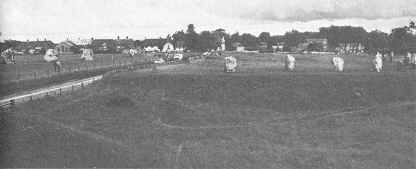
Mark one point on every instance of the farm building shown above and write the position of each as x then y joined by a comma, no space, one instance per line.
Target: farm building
322,42
121,44
35,47
66,47
153,42
238,47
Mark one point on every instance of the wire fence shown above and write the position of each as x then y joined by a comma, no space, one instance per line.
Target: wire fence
23,74
62,90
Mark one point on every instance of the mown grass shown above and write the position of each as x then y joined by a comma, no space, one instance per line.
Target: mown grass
196,116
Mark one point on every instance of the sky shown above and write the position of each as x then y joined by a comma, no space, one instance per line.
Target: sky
58,20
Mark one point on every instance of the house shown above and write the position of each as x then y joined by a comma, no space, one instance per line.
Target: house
35,47
280,45
302,47
263,45
153,42
121,44
179,45
82,42
238,47
322,42
66,47
103,45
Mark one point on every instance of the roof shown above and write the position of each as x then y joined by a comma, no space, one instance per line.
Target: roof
153,42
237,45
124,42
316,40
263,43
34,44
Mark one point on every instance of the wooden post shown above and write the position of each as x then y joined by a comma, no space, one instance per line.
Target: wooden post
78,67
12,103
94,65
34,75
18,77
82,85
47,73
60,91
93,80
72,91
30,98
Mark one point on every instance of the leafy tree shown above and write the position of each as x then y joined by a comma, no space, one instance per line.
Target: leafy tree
250,41
265,37
191,38
206,41
293,38
376,40
236,38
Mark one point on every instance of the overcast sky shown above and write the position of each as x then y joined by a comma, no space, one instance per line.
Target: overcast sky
57,20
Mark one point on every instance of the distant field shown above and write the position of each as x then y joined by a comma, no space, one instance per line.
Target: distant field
197,116
27,65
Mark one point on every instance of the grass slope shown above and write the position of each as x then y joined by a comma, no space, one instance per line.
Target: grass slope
195,116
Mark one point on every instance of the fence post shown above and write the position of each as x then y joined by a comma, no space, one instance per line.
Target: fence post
72,91
60,91
12,103
82,85
47,73
18,77
34,75
78,67
94,65
93,80
30,97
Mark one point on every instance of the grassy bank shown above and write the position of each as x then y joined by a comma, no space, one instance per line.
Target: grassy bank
196,116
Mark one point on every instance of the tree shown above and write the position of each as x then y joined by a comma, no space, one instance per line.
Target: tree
293,38
250,41
236,38
191,38
376,39
206,41
265,37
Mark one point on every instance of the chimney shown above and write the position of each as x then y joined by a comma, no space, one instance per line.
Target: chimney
37,40
92,38
45,39
27,40
118,37
127,37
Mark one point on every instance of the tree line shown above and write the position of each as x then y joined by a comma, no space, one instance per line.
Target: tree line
335,35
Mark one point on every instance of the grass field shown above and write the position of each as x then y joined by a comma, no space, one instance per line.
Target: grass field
27,65
196,116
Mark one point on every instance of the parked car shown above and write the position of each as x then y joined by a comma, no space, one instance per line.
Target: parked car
159,61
